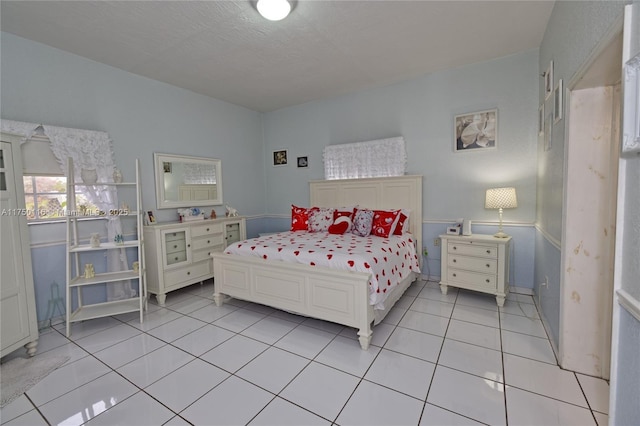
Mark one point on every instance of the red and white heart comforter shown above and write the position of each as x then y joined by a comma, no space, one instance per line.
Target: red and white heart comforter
388,260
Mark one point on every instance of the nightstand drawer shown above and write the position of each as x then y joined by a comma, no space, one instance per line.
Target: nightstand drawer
489,266
490,251
474,280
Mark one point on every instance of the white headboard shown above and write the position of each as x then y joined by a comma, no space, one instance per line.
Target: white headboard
400,192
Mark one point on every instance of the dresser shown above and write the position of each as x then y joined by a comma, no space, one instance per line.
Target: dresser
18,325
476,262
179,254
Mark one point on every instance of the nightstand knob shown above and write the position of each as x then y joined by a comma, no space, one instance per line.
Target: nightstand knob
207,229
189,273
488,251
488,266
455,248
176,258
208,241
175,246
454,275
454,261
188,245
488,281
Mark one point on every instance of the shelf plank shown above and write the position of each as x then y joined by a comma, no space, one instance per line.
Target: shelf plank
104,184
103,246
99,310
104,278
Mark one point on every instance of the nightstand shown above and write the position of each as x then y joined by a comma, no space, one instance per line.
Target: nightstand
476,262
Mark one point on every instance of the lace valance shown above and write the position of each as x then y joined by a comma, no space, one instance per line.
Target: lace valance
377,158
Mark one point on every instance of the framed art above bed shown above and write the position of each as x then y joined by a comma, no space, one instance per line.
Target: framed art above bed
322,292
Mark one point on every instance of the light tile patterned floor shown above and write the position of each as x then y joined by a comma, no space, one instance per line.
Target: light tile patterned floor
435,360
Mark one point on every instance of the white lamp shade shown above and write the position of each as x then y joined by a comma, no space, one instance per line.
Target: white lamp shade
501,198
273,10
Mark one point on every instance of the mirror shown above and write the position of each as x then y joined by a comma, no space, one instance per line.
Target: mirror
183,181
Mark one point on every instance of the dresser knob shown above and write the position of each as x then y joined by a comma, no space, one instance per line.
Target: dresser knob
455,248
189,273
488,281
188,245
175,246
488,266
207,229
454,275
454,261
176,258
208,241
488,251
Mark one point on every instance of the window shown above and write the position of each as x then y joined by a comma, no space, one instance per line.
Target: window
46,198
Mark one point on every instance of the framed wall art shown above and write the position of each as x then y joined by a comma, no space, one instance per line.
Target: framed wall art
303,161
557,102
280,157
548,80
541,120
476,130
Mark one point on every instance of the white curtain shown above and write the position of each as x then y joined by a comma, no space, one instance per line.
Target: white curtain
378,158
89,150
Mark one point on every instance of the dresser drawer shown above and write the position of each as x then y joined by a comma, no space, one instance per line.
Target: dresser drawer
184,274
489,266
233,236
473,280
175,246
177,257
207,229
205,242
173,236
200,255
489,251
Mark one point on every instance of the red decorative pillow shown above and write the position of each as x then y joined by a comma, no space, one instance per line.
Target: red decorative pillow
340,226
346,214
384,222
403,223
299,218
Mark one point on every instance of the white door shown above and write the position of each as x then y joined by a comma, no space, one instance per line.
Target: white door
14,324
625,370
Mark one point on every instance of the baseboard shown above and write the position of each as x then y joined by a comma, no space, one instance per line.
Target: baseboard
521,290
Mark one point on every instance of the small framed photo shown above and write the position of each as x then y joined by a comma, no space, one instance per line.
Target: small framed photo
166,166
150,218
557,102
303,161
280,157
476,130
547,131
548,81
541,120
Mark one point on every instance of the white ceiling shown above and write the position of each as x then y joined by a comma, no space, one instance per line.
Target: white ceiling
224,49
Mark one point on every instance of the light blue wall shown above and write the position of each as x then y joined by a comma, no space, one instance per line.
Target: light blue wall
627,382
46,85
422,111
573,31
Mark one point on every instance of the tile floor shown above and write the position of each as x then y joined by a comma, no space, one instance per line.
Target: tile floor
435,360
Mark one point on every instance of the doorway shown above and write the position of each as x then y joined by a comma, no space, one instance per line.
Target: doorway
589,210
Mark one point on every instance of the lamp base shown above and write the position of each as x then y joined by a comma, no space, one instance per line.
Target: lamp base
501,235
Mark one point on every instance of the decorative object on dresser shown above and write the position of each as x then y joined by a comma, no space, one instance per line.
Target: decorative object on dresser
179,254
478,262
501,198
19,325
342,296
126,301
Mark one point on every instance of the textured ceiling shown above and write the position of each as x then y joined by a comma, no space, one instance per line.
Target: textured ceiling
224,49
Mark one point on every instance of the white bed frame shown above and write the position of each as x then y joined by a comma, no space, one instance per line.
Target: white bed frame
332,295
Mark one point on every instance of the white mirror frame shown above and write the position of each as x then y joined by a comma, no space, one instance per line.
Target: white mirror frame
162,203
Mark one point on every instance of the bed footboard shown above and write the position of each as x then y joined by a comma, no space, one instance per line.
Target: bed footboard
337,296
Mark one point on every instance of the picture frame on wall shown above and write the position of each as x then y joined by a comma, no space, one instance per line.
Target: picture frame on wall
558,105
303,161
548,80
541,120
280,157
476,131
547,131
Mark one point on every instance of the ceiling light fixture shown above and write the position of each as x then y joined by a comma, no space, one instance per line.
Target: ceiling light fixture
273,10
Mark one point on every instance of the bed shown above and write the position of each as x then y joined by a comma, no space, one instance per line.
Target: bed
340,296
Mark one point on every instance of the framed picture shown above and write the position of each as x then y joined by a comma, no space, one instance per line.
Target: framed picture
541,120
476,130
557,102
303,162
280,157
548,80
166,166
